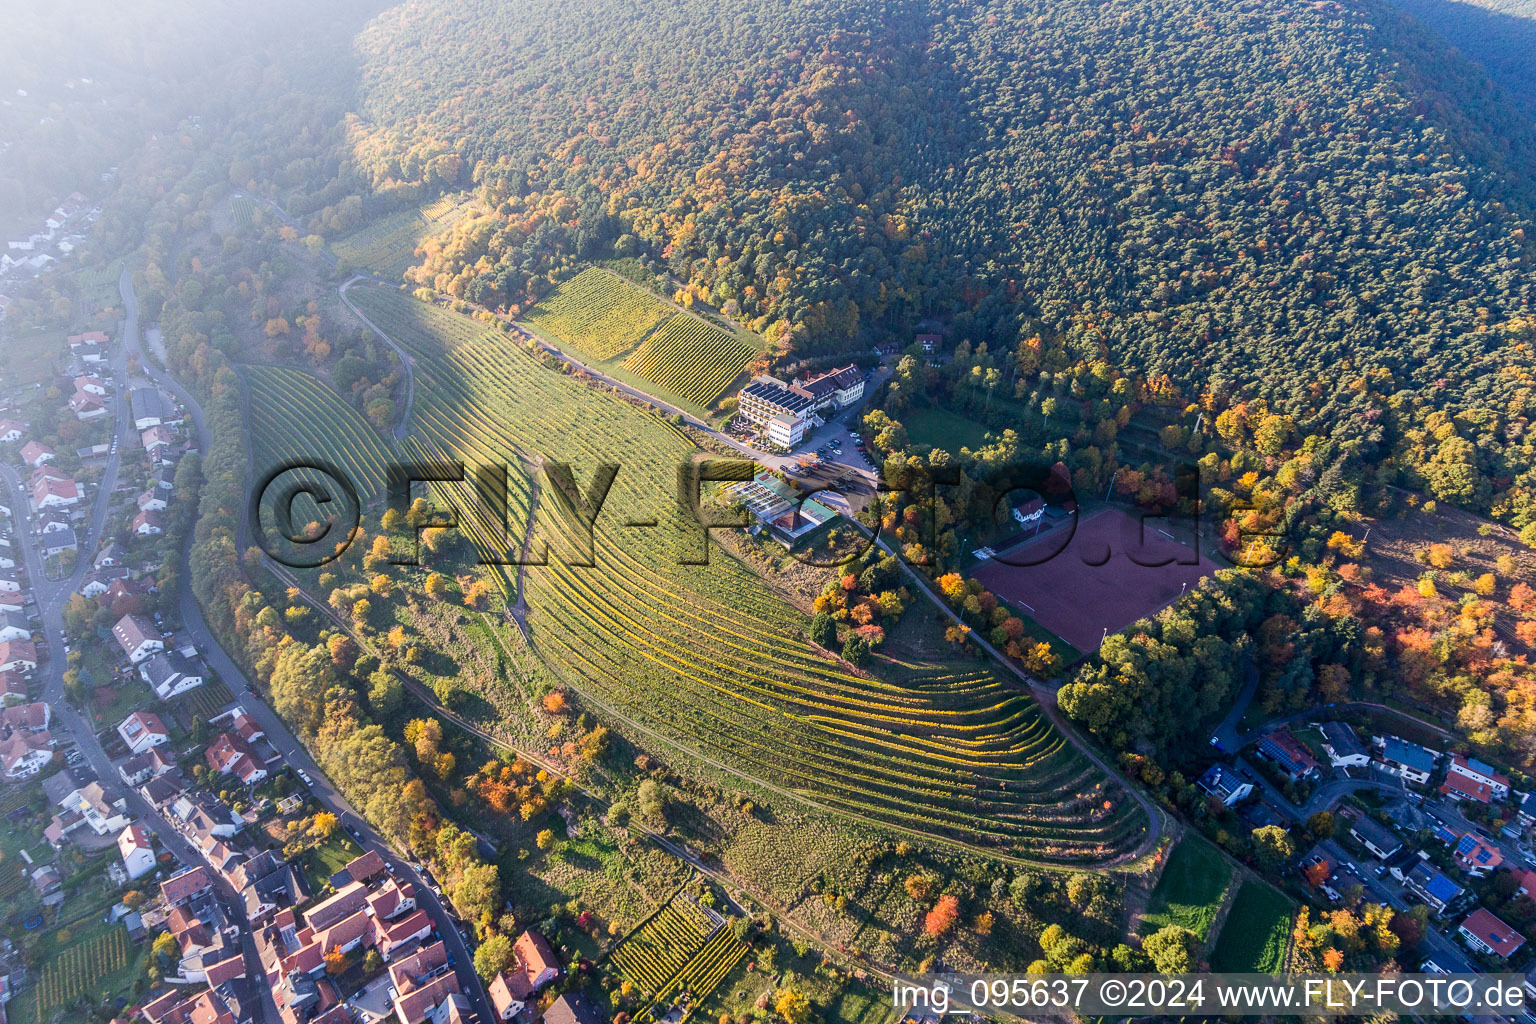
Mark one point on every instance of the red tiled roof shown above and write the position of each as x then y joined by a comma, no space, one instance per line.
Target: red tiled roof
1499,937
179,887
1478,791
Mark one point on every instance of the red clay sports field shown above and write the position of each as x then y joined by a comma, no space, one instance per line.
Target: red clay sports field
1078,601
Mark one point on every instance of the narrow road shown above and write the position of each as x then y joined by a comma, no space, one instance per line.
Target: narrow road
404,426
1226,733
196,629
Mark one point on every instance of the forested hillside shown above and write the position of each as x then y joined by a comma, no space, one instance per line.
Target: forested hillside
1498,34
1246,195
85,83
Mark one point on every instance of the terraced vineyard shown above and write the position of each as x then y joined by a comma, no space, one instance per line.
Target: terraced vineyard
244,209
708,660
296,416
12,881
79,970
599,315
654,953
680,949
388,246
691,358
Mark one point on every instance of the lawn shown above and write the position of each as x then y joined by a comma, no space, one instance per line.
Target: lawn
942,429
1191,889
30,357
1257,931
323,861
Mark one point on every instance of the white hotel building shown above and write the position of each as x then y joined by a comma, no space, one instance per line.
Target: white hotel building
786,411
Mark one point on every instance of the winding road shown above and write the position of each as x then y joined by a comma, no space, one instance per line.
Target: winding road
404,427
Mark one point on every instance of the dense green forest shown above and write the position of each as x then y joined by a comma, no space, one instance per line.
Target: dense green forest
1246,195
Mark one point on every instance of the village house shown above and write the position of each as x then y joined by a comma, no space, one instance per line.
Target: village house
86,406
1375,837
1476,857
1486,934
152,500
801,400
140,768
231,755
158,442
1343,747
176,1007
137,851
138,637
202,814
148,524
51,489
1288,754
56,542
148,408
98,582
13,688
35,454
23,754
91,384
1481,777
422,981
109,557
171,673
11,431
33,717
142,730
536,966
1410,761
17,656
15,626
1225,785
87,806
186,885
1435,889
572,1008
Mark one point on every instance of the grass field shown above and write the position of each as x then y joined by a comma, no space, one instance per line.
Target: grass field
12,881
598,315
323,861
388,246
297,416
30,357
1190,890
942,429
691,359
705,658
1256,933
98,302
